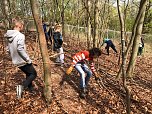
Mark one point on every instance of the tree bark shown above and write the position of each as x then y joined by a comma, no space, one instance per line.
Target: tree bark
123,59
136,40
133,33
5,10
89,23
44,51
96,16
62,19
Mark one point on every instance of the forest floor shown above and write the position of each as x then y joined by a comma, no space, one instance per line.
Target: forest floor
107,99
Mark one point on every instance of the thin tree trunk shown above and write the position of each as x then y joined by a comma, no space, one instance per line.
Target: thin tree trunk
5,10
62,19
88,24
87,6
78,28
96,16
138,33
133,34
44,51
123,59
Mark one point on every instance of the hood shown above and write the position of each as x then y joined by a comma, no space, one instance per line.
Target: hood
11,34
106,39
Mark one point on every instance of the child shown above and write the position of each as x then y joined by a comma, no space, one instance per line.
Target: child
50,32
17,50
141,46
79,63
57,44
45,32
109,44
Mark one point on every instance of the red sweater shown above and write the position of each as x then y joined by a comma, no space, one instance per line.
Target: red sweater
81,56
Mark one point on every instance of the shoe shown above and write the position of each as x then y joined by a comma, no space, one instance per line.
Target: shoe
62,64
31,89
87,92
19,91
83,93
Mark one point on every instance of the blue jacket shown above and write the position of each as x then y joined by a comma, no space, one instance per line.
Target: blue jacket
107,41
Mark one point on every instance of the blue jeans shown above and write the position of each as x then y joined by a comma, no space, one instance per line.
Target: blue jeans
84,79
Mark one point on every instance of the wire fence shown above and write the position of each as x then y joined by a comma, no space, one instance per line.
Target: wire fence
112,34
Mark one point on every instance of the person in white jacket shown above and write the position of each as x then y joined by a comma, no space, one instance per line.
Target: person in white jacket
20,58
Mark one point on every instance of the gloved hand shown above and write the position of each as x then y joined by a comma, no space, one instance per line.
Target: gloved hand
69,70
96,76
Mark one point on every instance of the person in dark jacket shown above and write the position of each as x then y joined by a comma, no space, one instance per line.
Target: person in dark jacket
109,44
141,47
57,44
45,32
50,32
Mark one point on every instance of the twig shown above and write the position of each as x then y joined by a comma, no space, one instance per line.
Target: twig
56,54
100,82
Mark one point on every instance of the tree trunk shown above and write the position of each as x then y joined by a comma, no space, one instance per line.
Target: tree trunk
96,16
13,7
44,51
78,28
5,10
138,33
62,19
133,34
89,23
123,59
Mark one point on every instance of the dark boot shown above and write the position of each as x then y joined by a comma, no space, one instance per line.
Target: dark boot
83,93
31,89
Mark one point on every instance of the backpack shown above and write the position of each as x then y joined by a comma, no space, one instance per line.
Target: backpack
57,37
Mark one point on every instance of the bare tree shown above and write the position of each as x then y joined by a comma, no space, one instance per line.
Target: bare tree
5,10
136,40
138,21
96,16
44,51
62,19
88,4
122,24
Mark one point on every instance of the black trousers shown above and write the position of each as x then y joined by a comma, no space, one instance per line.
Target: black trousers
140,50
31,74
112,46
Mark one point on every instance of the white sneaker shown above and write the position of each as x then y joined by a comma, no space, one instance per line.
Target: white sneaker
19,90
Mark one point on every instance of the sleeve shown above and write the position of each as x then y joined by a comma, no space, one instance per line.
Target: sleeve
7,49
21,49
44,28
61,40
92,67
78,57
61,36
142,41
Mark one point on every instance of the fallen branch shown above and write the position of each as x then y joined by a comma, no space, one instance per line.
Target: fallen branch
55,55
101,84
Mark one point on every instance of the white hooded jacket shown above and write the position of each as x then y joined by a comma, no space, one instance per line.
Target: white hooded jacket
17,48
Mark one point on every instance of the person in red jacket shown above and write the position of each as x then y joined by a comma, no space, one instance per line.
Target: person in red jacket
79,62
